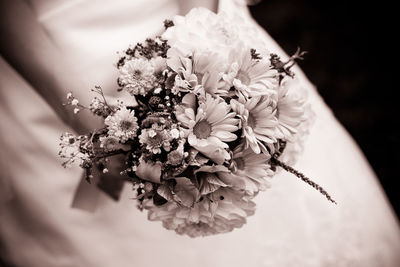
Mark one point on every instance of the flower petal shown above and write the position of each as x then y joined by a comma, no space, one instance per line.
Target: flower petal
149,171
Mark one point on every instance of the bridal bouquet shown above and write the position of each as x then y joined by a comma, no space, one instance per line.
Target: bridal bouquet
216,114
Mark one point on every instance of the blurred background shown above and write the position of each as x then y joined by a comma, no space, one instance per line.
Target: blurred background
351,60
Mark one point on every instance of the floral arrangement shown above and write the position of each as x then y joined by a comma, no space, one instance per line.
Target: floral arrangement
216,114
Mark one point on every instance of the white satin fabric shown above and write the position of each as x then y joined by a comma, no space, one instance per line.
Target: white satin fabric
293,226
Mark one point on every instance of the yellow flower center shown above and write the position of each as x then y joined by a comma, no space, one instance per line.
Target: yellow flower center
202,129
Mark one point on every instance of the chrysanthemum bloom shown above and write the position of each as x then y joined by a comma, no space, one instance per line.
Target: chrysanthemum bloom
137,76
218,212
250,171
290,109
122,124
249,76
258,123
209,127
222,31
190,31
156,137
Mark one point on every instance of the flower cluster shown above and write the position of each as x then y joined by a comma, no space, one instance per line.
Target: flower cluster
214,113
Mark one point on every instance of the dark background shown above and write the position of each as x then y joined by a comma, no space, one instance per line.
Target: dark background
352,60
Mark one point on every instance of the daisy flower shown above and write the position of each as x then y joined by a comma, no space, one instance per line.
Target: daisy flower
290,110
209,127
200,70
122,124
250,77
258,123
250,171
156,137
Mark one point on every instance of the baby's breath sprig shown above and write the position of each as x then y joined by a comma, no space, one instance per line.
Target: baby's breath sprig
100,107
73,101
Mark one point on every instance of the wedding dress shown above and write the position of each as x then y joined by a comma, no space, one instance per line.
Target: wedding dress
293,224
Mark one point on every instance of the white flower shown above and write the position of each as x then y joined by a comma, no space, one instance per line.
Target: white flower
156,137
205,46
202,30
70,148
200,44
258,123
74,102
122,124
250,77
190,32
296,95
209,127
219,212
197,71
175,133
137,76
290,108
99,108
250,171
159,65
96,104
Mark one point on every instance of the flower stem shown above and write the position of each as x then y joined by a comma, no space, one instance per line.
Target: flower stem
112,153
298,174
